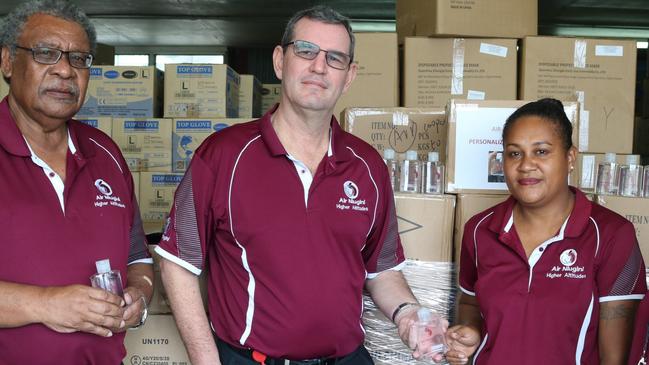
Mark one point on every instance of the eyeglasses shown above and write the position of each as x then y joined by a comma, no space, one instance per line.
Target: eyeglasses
51,56
309,51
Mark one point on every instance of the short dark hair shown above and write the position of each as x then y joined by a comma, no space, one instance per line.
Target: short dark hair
324,14
550,110
14,23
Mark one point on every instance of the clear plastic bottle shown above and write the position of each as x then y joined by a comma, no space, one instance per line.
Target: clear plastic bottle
606,175
390,159
433,177
107,279
630,176
645,182
428,333
410,179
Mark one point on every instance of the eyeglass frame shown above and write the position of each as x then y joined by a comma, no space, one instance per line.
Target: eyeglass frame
319,50
61,53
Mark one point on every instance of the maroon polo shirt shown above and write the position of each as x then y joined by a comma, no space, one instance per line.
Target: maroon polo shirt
285,276
545,309
640,346
43,245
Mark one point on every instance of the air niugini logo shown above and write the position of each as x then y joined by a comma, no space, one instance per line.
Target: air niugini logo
568,257
103,187
350,189
350,202
106,198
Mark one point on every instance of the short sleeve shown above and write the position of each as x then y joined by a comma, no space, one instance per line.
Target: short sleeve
383,250
621,272
468,274
190,222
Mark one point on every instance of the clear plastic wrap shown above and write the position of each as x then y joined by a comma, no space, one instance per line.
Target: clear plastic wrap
433,283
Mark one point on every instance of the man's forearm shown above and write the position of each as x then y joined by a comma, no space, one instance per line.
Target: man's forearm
140,276
186,303
19,304
388,290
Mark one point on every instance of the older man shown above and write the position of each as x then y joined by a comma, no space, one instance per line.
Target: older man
67,201
292,217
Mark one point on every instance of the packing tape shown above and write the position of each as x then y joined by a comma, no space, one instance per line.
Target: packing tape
400,118
457,72
580,53
587,172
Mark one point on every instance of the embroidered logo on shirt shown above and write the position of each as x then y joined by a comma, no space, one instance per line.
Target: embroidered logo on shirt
568,257
351,202
106,197
103,187
350,189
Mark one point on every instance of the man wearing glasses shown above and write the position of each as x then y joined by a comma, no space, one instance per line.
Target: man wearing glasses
67,201
292,218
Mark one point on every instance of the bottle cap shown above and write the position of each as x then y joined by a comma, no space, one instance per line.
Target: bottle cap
389,154
632,159
424,314
103,266
433,156
411,155
609,157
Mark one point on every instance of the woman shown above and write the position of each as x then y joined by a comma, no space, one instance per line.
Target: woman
547,277
640,348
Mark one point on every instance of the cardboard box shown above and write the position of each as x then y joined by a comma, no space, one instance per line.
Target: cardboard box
377,78
145,143
4,88
470,18
201,91
123,92
157,342
270,95
159,303
469,205
587,166
426,226
104,124
188,134
249,97
156,198
599,73
635,210
474,163
438,69
400,129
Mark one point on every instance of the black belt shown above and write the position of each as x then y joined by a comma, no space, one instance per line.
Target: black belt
248,353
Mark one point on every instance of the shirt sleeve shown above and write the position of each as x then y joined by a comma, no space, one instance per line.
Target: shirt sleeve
468,274
190,222
383,249
621,273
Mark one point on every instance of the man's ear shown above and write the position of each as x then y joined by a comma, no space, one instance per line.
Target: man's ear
278,61
6,64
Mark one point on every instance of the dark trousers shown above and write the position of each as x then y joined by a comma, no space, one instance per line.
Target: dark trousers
233,356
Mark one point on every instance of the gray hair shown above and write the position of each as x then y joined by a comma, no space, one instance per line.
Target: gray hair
324,14
14,23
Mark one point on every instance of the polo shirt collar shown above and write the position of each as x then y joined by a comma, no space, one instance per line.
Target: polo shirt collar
13,141
337,149
576,223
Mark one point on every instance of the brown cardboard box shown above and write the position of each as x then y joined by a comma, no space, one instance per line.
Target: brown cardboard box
104,124
156,197
426,226
159,303
438,69
469,205
587,166
377,79
201,91
249,97
474,159
270,94
470,18
400,129
188,134
157,342
4,88
635,210
122,92
145,143
599,73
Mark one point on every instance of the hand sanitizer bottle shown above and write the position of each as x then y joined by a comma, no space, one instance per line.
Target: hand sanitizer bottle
107,279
